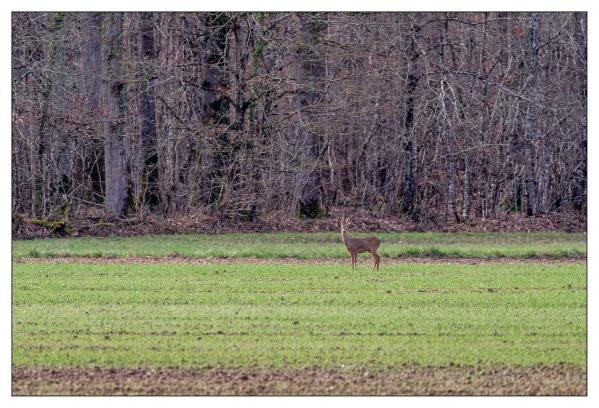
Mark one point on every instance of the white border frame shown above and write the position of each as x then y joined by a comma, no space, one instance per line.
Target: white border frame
273,5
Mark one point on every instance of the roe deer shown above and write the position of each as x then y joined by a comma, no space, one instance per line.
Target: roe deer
358,245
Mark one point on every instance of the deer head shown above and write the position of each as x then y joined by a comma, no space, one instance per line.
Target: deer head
343,222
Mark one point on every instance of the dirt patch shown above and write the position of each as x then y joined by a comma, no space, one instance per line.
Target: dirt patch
289,261
405,380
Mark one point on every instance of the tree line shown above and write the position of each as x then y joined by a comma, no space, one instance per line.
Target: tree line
453,115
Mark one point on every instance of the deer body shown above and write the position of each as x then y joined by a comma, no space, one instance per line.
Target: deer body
359,245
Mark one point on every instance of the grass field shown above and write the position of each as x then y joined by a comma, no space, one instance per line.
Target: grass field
242,328
312,245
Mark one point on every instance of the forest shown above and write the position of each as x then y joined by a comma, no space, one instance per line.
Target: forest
447,116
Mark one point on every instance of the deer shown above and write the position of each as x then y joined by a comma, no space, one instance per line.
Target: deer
358,245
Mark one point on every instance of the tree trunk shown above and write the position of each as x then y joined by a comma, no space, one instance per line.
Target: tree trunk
466,204
240,45
91,52
113,98
579,190
92,61
408,190
531,180
147,101
446,126
311,71
41,191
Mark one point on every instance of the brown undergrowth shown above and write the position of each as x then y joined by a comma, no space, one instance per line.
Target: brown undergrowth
100,224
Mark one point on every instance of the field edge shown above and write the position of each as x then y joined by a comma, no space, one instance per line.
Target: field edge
561,379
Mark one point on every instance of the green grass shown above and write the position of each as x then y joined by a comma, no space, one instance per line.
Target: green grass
311,245
296,316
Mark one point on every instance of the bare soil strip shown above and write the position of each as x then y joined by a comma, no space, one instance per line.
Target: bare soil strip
288,261
406,380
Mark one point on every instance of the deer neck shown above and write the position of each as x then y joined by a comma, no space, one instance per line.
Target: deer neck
343,236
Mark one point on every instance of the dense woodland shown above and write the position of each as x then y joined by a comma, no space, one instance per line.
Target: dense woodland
452,116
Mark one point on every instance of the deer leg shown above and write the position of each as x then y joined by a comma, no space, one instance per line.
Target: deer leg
354,261
377,259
